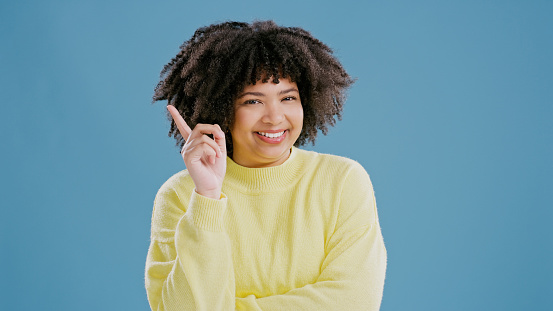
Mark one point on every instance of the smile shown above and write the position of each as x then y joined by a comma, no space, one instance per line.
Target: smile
271,135
272,138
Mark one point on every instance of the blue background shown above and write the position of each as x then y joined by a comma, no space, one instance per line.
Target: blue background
450,115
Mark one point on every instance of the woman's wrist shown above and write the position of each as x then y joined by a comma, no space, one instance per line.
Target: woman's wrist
213,194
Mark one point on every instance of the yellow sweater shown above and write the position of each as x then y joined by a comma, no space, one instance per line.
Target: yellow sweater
303,235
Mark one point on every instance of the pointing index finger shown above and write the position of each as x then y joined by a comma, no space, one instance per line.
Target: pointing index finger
184,129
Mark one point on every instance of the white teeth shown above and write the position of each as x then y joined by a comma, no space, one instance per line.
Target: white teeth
272,135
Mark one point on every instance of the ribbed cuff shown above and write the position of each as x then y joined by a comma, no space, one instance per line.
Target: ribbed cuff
207,213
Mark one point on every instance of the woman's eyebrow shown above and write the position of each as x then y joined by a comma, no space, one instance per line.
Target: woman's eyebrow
288,91
250,93
263,94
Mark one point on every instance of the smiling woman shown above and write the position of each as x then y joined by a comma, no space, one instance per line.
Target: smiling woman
268,120
254,223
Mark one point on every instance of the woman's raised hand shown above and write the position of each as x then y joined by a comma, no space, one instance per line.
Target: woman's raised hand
205,158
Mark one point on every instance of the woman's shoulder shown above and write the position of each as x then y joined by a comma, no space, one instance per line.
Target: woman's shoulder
180,182
334,170
331,162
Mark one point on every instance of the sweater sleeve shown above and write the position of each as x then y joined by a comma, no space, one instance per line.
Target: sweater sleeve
189,263
352,273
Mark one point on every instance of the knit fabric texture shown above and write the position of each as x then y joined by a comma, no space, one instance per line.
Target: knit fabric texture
303,235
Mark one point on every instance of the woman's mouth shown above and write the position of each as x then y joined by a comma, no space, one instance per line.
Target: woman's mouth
272,138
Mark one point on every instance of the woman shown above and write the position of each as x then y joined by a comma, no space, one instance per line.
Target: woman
255,223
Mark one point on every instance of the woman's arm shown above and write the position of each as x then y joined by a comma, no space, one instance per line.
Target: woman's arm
189,264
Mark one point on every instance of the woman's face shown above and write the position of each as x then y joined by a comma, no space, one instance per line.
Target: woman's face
267,122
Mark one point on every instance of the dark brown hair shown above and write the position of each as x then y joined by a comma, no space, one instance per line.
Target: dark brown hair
216,64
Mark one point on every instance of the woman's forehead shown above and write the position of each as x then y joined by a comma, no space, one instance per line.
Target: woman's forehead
283,85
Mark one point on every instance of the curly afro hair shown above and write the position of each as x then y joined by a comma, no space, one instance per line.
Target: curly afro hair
215,65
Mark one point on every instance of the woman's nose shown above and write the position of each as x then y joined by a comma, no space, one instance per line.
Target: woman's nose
274,113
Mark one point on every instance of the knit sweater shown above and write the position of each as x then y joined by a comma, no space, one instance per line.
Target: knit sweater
303,235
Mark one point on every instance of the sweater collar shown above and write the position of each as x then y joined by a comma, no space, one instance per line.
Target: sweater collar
266,179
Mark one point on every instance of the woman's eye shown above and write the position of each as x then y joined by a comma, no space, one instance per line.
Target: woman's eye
252,102
289,98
